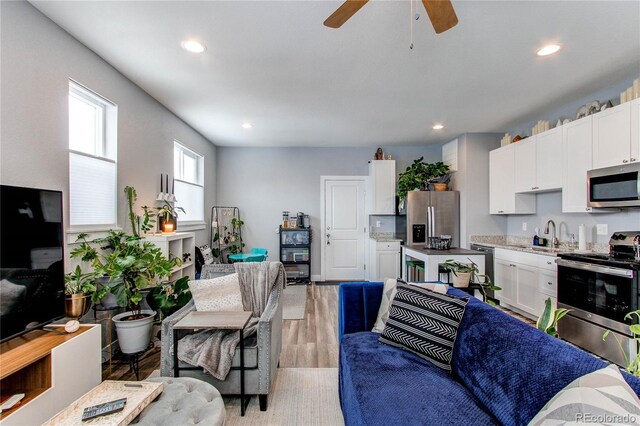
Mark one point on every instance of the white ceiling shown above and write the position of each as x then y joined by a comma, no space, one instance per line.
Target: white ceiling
273,64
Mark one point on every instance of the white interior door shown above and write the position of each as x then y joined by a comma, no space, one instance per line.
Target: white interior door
344,229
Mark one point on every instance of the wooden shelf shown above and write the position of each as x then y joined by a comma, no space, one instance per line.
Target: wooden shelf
26,364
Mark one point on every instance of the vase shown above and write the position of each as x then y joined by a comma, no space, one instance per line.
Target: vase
77,305
134,335
440,186
461,279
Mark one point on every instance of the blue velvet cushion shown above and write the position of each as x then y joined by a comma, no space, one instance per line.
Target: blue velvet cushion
383,385
513,368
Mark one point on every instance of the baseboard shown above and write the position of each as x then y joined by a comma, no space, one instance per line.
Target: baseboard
316,278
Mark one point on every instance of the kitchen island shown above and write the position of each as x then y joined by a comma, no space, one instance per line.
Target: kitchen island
432,258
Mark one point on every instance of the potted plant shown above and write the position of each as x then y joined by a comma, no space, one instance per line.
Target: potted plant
633,364
422,176
464,273
131,265
170,296
168,214
80,290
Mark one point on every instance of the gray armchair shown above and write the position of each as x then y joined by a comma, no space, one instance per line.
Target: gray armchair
261,353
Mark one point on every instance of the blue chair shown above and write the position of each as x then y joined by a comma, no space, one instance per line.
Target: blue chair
258,250
255,258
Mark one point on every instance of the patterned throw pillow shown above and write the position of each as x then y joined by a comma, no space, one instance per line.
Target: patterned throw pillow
217,294
388,293
425,323
602,396
206,254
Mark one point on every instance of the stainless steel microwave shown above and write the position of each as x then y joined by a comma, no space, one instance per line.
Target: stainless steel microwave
617,186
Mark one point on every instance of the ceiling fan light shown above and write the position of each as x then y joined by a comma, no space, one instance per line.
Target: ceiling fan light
438,127
549,49
193,46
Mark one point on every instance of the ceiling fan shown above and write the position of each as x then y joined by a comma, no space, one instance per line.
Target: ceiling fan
440,13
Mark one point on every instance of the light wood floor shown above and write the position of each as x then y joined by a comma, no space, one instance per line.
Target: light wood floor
308,343
313,341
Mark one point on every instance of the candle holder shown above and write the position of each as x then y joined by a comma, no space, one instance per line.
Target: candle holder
168,225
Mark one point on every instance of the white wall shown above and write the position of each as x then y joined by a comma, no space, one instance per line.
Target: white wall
38,58
263,182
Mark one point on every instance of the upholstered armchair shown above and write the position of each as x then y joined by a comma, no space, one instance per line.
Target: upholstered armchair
261,351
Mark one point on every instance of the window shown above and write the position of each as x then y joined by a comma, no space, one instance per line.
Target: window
188,170
92,158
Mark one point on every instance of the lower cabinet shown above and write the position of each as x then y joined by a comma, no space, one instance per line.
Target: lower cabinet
526,279
384,260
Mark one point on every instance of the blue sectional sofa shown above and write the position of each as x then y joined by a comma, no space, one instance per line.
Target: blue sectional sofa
504,371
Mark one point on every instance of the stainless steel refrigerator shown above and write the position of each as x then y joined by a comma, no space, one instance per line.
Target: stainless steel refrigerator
433,214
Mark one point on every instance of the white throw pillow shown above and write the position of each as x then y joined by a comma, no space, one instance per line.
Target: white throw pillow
389,292
217,294
602,396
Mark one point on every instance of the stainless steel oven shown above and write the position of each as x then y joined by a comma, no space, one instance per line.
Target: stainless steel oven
617,186
600,289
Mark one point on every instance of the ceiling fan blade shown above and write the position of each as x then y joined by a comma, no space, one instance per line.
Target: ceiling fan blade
344,12
441,14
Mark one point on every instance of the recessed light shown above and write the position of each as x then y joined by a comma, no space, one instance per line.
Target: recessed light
549,49
193,46
246,125
438,127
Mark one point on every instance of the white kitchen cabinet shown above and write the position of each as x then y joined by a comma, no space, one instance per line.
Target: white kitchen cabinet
505,277
525,165
527,293
577,160
538,162
502,196
549,160
635,130
526,279
382,186
612,137
385,260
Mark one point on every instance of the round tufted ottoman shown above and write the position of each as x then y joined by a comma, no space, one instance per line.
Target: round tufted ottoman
184,401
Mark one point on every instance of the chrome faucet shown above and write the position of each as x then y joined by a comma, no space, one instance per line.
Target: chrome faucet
554,240
636,247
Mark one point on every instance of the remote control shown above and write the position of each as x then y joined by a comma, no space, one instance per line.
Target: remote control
103,409
9,403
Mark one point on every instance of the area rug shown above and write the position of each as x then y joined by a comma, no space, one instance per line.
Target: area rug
300,396
294,301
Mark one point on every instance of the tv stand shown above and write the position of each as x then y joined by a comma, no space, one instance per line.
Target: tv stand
51,369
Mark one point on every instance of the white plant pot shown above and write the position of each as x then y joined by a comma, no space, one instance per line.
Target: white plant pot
134,336
461,280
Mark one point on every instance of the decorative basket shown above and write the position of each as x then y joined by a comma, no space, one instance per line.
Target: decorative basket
438,243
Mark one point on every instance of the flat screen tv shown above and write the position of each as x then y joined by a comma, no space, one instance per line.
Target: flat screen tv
31,259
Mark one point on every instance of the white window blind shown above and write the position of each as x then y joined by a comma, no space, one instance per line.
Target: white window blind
92,158
189,189
92,190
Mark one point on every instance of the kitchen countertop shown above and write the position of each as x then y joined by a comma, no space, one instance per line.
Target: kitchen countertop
524,245
451,252
384,237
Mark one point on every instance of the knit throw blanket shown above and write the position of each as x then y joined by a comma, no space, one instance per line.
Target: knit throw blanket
213,350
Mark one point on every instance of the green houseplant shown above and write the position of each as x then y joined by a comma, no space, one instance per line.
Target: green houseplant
80,290
464,273
170,296
418,175
130,265
633,364
168,214
548,321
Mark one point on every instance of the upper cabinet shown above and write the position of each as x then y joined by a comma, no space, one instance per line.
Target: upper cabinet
577,160
502,194
538,162
382,190
612,141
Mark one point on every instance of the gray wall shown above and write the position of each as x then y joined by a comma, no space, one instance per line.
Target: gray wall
549,205
472,180
38,58
263,182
